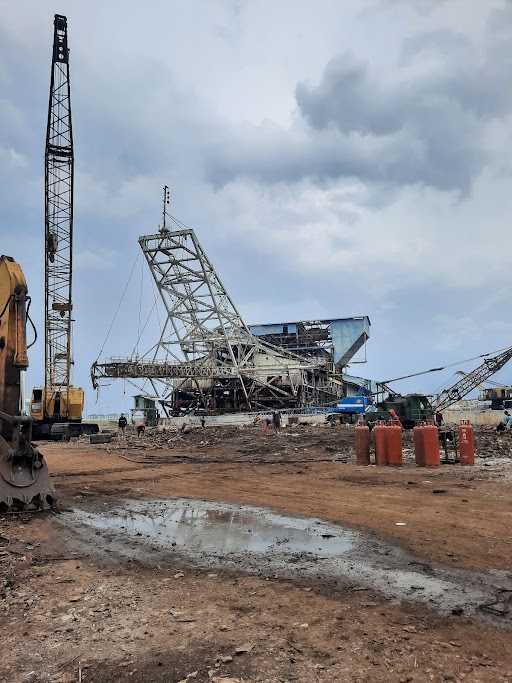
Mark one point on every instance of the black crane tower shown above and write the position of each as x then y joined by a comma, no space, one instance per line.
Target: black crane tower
58,217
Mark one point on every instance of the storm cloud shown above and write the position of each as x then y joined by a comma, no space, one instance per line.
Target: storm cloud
425,123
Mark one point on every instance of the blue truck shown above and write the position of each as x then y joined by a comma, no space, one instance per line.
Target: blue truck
349,408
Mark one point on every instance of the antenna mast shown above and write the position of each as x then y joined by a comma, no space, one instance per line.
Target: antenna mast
166,199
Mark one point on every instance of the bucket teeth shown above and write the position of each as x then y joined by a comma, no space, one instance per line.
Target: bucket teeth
25,484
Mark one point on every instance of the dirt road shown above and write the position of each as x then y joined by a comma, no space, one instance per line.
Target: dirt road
75,607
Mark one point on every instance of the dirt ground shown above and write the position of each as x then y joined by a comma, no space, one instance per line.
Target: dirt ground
79,613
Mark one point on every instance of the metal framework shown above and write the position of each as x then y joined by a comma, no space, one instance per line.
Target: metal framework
58,216
472,380
205,348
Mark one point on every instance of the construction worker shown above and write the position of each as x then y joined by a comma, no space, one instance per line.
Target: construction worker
122,422
506,422
439,419
394,417
276,420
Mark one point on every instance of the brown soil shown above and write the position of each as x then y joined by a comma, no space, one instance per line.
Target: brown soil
67,617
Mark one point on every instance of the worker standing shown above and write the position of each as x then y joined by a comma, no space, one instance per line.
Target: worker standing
276,420
122,422
439,419
394,417
506,422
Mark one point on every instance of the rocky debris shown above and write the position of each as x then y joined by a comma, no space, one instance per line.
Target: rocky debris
235,444
295,443
492,444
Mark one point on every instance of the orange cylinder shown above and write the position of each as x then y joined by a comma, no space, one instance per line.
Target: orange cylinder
393,436
466,443
380,444
419,447
430,438
362,444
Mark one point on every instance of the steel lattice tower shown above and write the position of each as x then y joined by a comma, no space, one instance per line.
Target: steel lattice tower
205,348
58,216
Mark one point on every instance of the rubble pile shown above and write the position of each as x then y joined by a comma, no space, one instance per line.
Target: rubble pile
245,444
493,444
235,444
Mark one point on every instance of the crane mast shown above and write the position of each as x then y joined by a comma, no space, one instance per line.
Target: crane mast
58,220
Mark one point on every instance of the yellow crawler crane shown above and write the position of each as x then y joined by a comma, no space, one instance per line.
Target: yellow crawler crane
57,407
24,479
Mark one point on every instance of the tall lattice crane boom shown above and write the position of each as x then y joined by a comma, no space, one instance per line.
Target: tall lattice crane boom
57,408
58,217
472,380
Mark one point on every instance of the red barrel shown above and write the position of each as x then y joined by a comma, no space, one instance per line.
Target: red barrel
393,436
419,447
380,444
466,443
430,438
362,444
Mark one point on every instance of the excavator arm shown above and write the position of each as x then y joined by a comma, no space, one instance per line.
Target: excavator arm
24,476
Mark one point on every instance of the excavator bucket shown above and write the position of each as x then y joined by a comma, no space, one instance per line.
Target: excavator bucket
24,479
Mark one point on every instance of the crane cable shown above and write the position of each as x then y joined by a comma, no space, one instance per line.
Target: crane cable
118,308
135,349
445,367
136,346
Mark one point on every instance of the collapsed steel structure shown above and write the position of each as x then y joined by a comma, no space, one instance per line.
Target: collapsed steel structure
206,356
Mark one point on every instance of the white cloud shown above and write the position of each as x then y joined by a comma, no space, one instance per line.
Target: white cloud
11,157
95,260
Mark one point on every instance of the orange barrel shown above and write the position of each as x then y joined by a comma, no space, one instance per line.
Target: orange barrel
430,440
380,444
466,443
419,444
362,444
393,435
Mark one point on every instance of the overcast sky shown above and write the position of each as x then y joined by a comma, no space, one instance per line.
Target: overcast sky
335,158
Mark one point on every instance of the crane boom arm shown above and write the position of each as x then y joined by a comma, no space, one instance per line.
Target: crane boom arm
58,216
471,380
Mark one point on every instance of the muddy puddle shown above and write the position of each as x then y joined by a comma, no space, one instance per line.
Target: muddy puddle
258,541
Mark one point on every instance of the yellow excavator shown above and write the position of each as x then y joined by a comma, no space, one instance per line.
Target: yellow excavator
24,479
